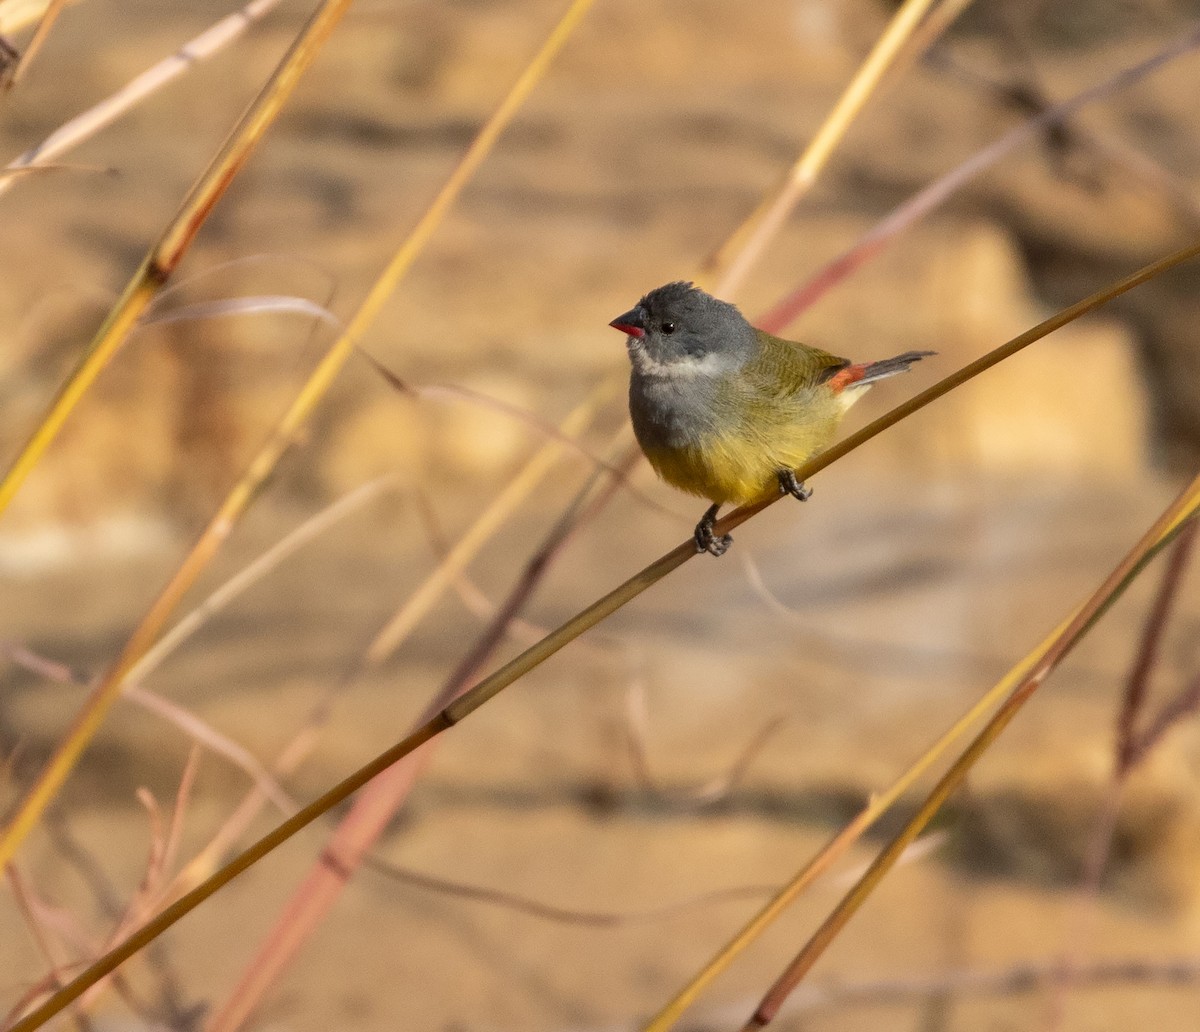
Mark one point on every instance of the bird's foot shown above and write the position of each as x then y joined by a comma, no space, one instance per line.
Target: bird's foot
706,540
788,484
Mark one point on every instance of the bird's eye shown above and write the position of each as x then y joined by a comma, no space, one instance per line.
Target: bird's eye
668,327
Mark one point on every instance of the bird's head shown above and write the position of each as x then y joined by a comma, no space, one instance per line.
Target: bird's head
678,330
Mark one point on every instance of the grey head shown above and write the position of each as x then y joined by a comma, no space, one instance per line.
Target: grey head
679,331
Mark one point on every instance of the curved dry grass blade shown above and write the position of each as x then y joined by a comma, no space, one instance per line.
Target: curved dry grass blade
1038,666
203,734
187,722
728,267
937,192
166,254
496,682
561,435
637,723
109,110
549,912
154,271
53,9
256,304
251,574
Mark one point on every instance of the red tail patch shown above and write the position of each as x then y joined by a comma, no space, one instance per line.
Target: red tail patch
843,378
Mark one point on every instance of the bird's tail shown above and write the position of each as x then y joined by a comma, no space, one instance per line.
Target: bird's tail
884,368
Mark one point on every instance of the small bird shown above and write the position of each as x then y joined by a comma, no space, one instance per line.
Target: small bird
728,412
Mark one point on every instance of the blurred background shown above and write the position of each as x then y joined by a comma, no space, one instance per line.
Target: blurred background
856,628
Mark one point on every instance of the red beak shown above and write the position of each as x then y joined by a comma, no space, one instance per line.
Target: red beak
632,322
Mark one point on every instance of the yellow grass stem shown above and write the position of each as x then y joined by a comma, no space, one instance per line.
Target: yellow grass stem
1022,681
107,691
728,267
492,685
166,254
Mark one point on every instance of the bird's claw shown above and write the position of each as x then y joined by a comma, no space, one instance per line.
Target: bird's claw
788,484
706,540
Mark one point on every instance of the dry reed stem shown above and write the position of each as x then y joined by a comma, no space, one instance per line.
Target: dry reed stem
1036,667
492,685
166,254
155,270
728,267
99,116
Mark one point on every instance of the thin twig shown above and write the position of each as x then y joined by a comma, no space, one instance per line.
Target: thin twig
711,791
1019,980
549,912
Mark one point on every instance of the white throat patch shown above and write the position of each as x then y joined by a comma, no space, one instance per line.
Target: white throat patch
711,364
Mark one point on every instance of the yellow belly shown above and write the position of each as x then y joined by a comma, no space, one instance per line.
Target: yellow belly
735,469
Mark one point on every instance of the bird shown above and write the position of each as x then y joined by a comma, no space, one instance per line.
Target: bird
726,411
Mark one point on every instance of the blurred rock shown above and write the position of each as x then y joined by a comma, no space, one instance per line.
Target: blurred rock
1073,402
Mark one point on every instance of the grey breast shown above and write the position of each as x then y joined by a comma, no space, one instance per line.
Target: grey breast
670,411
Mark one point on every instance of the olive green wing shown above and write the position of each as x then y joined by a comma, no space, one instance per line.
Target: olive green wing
785,367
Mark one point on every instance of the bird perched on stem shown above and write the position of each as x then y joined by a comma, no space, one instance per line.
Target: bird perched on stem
728,412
